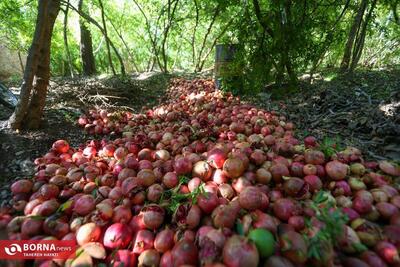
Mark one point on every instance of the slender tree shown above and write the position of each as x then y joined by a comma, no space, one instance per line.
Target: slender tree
360,40
103,20
29,110
88,18
65,35
203,45
128,50
354,29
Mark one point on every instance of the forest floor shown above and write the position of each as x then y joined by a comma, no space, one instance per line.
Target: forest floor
361,110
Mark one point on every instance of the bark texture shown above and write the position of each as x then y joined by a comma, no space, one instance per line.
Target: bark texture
86,45
29,109
107,39
38,99
344,66
65,33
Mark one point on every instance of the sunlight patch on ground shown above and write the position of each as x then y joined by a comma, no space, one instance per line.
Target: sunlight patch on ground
389,109
145,75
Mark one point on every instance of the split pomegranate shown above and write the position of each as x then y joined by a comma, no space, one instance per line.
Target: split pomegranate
216,158
89,232
202,170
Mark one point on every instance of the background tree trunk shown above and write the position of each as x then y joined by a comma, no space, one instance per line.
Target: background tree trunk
287,41
107,39
131,56
21,63
360,40
65,32
203,45
193,43
171,15
153,40
344,66
86,46
88,18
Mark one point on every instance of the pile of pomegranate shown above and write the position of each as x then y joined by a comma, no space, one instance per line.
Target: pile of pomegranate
205,180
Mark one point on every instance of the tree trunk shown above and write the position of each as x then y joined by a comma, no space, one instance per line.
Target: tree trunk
171,15
291,73
89,19
344,66
287,41
86,46
396,17
203,45
107,39
193,43
222,32
38,100
37,70
149,32
65,32
31,65
261,20
21,64
121,62
359,43
283,38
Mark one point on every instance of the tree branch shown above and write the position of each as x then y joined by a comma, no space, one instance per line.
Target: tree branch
194,32
215,42
148,28
262,22
95,23
216,12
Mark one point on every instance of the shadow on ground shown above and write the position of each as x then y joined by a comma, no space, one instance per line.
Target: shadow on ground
67,99
361,110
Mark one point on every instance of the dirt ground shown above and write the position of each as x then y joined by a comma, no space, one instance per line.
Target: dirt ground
361,110
67,100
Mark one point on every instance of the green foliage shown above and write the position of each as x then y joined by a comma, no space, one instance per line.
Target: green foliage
330,146
17,23
309,35
334,220
175,199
